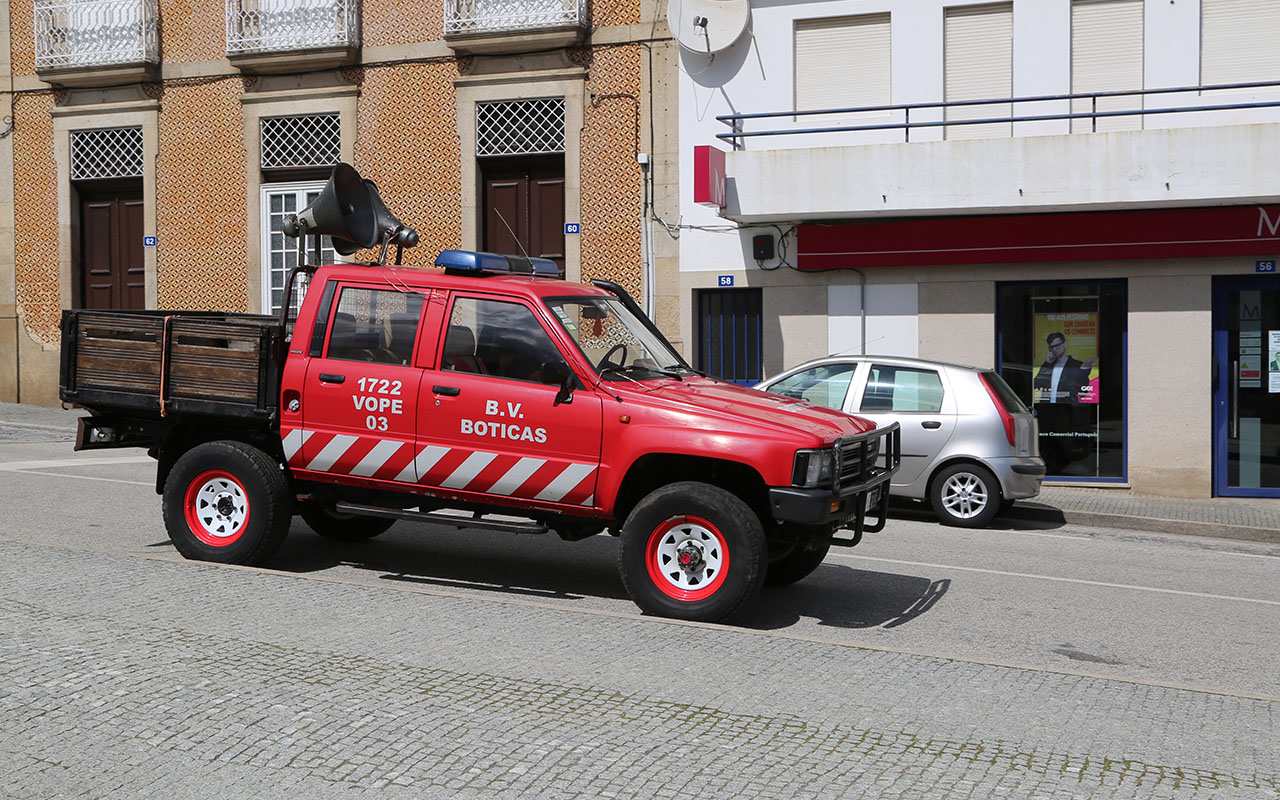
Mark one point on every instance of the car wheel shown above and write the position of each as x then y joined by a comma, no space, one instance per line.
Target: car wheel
794,563
339,527
965,495
227,502
692,551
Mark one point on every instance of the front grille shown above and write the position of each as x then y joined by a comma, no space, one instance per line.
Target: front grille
861,458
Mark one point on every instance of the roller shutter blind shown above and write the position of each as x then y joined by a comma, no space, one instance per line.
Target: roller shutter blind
842,62
1239,41
1106,56
979,66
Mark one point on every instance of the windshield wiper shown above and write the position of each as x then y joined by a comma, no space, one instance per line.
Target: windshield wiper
684,368
622,372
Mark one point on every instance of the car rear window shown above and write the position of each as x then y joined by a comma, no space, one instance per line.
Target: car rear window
1012,403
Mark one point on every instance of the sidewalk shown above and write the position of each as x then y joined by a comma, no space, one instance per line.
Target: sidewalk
1252,519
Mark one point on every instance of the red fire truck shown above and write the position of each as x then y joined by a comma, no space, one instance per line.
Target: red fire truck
486,394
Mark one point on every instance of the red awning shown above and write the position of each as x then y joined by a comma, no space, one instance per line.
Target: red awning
1010,238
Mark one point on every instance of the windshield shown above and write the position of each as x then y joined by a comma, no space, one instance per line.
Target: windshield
616,342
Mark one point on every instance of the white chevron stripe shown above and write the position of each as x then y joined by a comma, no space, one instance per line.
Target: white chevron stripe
468,470
332,451
423,462
293,442
517,475
565,481
378,456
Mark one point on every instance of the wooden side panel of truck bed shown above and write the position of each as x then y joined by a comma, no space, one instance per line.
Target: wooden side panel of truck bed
159,362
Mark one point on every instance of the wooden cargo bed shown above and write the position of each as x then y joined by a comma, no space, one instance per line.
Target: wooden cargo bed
162,362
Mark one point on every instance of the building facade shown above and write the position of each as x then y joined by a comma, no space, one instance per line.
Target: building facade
991,183
151,148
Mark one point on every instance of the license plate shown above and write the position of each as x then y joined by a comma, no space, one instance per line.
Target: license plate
873,497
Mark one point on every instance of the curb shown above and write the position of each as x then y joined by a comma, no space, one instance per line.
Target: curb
1217,530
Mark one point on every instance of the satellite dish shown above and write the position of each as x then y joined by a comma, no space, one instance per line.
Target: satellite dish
708,26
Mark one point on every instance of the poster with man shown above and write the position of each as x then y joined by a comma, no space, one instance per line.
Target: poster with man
1068,370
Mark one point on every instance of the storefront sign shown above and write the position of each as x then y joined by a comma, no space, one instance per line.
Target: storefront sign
1016,238
709,176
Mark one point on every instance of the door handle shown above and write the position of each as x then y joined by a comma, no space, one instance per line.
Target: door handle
329,377
447,391
1235,400
931,424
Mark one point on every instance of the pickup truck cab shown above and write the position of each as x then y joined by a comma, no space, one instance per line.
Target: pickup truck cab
487,394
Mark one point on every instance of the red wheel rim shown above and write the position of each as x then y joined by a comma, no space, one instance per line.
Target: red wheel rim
687,558
216,507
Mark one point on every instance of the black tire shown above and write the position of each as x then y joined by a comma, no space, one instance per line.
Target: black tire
716,530
794,563
340,527
227,502
965,496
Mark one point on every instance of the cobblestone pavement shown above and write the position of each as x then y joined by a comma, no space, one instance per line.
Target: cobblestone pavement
139,677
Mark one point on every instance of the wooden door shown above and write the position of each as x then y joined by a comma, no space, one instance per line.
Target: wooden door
524,207
111,256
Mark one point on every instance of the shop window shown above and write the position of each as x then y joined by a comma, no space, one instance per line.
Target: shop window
1061,347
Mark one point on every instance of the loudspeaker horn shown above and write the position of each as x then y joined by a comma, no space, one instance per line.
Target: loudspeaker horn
344,211
386,222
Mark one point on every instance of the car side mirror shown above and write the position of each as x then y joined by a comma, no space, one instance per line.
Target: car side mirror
558,373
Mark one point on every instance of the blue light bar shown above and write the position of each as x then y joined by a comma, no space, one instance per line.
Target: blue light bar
465,262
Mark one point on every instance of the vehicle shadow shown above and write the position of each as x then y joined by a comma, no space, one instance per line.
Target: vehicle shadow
545,567
542,566
845,597
1025,515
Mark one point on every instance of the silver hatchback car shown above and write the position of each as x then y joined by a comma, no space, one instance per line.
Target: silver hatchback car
969,445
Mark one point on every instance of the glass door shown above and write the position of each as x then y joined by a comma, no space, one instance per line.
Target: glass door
1246,387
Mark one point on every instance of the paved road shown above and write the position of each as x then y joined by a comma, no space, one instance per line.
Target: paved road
1036,663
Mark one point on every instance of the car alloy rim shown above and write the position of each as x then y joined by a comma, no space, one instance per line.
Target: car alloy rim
687,558
964,496
217,508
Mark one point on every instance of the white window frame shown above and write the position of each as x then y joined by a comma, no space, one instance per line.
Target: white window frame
266,191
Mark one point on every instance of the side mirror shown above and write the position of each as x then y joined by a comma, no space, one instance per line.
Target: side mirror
558,373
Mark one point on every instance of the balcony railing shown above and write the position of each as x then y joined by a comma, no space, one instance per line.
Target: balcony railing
1087,112
256,26
78,34
501,16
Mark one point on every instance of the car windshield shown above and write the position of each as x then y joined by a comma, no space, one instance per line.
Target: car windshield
616,342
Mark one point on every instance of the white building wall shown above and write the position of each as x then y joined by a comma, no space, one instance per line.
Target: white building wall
779,180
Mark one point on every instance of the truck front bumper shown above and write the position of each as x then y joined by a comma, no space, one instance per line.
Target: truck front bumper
824,507
849,505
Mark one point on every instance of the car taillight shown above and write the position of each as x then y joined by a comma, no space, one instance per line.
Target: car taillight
1005,416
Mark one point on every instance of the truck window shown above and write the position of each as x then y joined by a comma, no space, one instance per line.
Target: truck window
378,325
497,338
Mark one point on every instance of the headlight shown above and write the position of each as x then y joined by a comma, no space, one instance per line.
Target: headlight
814,468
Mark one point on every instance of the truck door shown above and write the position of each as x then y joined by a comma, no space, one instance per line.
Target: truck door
360,394
488,422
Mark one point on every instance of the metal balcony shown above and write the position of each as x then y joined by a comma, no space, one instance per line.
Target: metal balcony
77,35
513,26
276,26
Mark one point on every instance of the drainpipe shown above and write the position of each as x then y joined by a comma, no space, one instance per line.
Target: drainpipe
862,310
646,251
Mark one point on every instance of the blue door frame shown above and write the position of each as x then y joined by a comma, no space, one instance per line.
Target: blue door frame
1224,380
